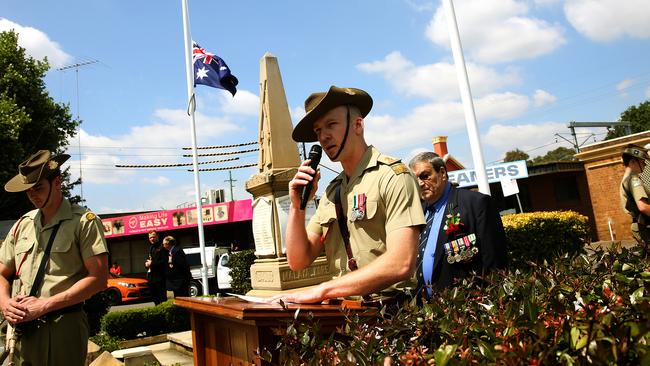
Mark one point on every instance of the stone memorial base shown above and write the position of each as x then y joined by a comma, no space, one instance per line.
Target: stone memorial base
274,274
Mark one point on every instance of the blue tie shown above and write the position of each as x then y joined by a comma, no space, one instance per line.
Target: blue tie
424,236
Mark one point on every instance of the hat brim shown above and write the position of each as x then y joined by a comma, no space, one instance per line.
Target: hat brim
16,184
304,130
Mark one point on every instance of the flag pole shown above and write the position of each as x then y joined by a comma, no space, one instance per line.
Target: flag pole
466,97
189,71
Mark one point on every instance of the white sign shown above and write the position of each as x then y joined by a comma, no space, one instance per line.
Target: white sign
511,170
509,187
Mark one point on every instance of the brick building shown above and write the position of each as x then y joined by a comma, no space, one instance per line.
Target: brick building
604,169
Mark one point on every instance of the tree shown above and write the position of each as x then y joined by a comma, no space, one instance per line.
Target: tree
559,154
515,155
30,120
639,118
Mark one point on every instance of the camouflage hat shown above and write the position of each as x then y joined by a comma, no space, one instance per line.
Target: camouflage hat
636,152
39,166
320,103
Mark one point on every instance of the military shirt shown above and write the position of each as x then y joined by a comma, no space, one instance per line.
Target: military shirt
632,185
391,202
80,236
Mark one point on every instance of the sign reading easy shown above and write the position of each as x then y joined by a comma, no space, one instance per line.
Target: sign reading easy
512,170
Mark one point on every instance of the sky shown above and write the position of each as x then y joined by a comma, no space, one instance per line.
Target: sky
533,67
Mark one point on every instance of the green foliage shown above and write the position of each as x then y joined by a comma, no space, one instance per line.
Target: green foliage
540,236
240,264
30,120
589,309
106,342
96,307
639,118
515,155
559,154
159,319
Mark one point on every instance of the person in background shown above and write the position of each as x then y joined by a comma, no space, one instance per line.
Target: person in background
464,233
116,269
156,265
378,200
178,270
57,257
634,194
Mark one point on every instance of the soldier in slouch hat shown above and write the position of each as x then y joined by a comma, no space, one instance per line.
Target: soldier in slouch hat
56,256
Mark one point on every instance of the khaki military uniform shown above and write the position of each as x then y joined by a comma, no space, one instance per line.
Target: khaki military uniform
632,190
61,339
391,202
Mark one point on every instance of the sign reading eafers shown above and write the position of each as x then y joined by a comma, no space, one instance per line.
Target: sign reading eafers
512,170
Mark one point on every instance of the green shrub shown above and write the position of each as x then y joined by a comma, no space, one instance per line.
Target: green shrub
539,236
106,342
240,264
159,319
96,307
586,309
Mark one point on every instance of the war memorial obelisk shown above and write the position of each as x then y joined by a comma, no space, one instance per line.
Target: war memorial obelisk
278,163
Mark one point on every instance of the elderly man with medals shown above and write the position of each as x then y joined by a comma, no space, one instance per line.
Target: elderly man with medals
463,234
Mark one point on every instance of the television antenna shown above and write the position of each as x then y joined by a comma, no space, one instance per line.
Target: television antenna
76,67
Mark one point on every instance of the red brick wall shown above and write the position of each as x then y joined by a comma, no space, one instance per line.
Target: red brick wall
604,177
604,169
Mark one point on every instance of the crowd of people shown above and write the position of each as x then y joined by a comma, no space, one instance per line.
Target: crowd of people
388,230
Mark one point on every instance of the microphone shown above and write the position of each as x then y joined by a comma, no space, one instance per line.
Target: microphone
314,155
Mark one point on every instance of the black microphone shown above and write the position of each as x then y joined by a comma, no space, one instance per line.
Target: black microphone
314,155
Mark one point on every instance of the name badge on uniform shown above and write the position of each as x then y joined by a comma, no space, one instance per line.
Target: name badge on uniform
358,208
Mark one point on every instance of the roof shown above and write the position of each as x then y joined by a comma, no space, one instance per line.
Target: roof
555,167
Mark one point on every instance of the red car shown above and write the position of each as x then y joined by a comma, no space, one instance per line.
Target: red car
123,289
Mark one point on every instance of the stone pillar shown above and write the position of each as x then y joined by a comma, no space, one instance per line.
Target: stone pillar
278,163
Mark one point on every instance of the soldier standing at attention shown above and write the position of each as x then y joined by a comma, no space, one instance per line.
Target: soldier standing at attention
58,257
634,194
371,243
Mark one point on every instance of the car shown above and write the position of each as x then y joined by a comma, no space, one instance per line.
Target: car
126,289
218,263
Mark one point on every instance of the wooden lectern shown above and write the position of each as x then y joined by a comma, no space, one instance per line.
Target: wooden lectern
229,331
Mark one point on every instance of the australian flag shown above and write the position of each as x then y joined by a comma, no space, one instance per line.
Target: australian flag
211,70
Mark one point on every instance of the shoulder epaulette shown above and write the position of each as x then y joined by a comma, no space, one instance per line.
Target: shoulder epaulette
394,163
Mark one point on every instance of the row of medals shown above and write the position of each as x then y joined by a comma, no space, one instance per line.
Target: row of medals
462,249
359,207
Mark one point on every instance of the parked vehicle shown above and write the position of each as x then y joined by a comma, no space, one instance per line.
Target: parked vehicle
124,289
217,261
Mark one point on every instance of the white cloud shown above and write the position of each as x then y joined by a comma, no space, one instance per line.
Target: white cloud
159,181
433,119
101,153
37,44
420,6
607,20
530,138
496,31
436,81
542,98
244,103
623,85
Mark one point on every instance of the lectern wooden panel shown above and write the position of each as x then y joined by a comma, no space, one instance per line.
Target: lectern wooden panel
229,331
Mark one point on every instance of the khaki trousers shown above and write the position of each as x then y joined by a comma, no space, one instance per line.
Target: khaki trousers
61,340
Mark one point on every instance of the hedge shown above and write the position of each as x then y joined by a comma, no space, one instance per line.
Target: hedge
240,264
159,319
540,236
586,309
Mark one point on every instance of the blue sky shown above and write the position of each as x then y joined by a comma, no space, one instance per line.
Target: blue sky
533,67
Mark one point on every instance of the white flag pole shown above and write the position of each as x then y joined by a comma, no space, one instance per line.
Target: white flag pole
466,97
189,71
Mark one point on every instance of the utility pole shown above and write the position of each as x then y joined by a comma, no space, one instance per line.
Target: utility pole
231,184
572,126
76,69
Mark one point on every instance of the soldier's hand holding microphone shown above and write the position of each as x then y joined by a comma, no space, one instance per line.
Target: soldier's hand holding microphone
305,183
